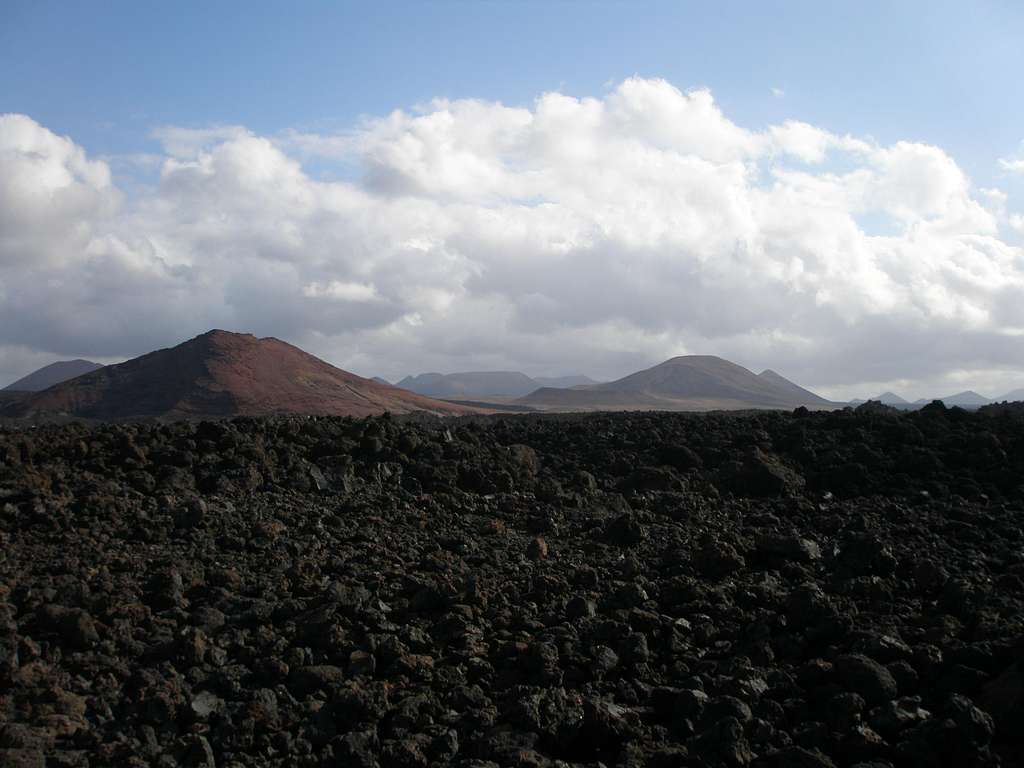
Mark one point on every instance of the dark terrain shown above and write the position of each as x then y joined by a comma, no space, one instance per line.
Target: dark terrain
775,589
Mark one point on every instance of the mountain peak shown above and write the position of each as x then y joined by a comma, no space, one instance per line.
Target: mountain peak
890,398
695,359
222,373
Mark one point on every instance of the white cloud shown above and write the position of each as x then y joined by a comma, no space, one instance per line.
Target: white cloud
578,234
778,93
811,144
1015,162
187,143
51,195
337,289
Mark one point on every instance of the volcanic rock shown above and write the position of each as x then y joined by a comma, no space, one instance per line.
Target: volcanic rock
392,616
866,677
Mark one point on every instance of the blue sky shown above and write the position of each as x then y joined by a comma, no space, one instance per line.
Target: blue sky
946,73
831,190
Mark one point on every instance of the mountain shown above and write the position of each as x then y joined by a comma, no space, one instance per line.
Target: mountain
380,380
693,382
470,384
967,399
564,382
1014,396
51,374
891,398
224,374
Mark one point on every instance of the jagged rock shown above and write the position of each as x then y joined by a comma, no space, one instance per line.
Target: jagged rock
866,677
795,757
761,474
306,680
788,548
537,549
693,614
716,558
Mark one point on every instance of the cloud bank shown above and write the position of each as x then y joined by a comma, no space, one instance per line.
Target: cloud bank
578,234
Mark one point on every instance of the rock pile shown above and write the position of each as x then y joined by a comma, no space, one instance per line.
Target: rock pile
806,589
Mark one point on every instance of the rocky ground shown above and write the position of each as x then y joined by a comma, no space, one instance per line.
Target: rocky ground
806,589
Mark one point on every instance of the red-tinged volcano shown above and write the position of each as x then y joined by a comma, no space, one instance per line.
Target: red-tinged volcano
225,374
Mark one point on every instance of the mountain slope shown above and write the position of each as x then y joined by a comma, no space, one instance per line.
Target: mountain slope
785,385
1014,396
225,374
51,374
694,382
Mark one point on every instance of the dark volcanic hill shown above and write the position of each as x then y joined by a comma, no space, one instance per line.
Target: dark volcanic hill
224,374
693,382
51,374
470,384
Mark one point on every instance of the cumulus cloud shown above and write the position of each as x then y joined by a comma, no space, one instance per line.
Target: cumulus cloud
576,234
1014,163
186,143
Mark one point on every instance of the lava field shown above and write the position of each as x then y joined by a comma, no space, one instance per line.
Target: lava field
641,589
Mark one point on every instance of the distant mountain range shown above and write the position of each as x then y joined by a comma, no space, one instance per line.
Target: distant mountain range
224,374
564,382
483,384
51,374
694,382
966,399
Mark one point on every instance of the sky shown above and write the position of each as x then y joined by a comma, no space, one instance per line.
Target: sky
834,191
